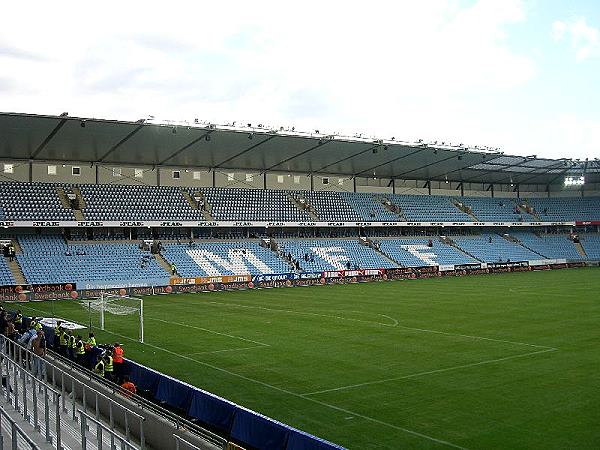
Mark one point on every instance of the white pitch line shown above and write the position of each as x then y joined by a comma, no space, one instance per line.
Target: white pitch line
208,331
228,350
430,372
306,313
294,394
395,324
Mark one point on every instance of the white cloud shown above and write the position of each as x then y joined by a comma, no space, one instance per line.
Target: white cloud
410,69
584,38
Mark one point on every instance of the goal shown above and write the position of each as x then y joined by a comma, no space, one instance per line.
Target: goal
108,305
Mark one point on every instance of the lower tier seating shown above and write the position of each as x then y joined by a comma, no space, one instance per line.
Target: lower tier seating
417,253
203,259
494,248
49,259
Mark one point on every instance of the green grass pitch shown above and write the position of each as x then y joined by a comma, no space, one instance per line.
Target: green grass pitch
486,362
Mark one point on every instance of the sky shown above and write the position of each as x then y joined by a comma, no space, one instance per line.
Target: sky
522,75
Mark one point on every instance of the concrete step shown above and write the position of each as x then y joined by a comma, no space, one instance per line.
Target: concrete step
63,197
164,263
580,249
80,199
6,430
15,270
304,207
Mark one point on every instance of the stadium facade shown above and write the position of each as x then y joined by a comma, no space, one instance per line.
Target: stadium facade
90,206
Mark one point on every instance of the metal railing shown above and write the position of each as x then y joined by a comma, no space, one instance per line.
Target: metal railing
116,441
16,432
26,388
89,397
145,404
182,443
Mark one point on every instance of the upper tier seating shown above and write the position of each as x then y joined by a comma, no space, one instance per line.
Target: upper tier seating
49,259
40,201
566,209
112,202
6,277
368,207
223,258
488,209
32,201
553,246
493,248
253,205
330,206
333,254
425,208
416,253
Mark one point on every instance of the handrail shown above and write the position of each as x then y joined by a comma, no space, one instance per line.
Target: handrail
15,429
18,349
85,417
144,403
179,440
18,368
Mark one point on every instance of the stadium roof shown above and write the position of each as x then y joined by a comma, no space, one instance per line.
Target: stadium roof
42,138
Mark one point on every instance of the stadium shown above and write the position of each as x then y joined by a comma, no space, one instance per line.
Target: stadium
282,289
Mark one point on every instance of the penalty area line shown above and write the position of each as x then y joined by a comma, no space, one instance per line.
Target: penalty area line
295,394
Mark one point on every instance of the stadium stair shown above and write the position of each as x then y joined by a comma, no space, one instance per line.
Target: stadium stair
163,262
517,241
304,207
528,209
190,198
464,208
370,243
392,207
274,247
580,249
62,195
30,431
16,271
446,240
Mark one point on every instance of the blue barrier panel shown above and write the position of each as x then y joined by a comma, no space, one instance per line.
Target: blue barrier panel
212,410
173,393
258,431
298,440
144,379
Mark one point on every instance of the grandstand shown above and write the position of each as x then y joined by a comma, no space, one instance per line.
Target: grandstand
259,208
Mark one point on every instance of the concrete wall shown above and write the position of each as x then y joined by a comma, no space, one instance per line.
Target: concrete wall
103,174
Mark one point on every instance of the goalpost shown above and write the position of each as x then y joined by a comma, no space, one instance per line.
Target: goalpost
117,305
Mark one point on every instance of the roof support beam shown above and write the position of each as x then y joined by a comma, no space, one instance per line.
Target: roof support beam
366,171
500,169
48,138
370,149
185,147
252,147
314,147
431,164
548,168
121,142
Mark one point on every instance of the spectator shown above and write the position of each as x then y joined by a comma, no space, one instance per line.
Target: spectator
99,368
57,332
18,320
38,347
108,366
129,387
118,362
72,345
79,351
173,269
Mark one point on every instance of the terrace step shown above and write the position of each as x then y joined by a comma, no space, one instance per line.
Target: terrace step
15,270
465,208
392,207
206,210
448,241
80,199
304,206
163,262
32,433
63,197
580,249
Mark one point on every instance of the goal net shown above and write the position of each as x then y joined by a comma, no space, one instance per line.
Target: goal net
113,313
